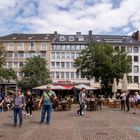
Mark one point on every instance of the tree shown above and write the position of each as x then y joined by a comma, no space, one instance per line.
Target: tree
103,62
35,73
6,74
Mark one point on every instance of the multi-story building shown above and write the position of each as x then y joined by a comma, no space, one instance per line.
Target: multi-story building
61,50
19,47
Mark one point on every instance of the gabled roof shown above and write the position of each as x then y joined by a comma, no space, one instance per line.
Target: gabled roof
27,37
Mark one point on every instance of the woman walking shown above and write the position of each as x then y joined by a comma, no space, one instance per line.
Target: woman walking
82,96
29,103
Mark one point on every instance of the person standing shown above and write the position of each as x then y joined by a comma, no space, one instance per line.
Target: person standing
29,103
82,96
123,97
18,105
1,101
136,102
127,101
47,103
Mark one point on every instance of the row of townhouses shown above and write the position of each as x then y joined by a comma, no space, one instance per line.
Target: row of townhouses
60,51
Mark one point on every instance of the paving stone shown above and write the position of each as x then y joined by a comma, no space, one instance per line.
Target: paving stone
105,124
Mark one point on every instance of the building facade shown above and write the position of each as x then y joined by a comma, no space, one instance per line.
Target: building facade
61,50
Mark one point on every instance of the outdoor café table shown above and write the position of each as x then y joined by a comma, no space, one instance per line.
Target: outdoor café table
90,104
64,104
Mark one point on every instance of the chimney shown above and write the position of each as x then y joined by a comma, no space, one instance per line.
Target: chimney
78,33
136,35
55,33
90,33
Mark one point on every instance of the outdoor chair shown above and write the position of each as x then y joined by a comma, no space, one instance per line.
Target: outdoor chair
98,104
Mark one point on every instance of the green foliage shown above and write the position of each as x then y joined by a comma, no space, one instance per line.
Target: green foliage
7,74
35,72
2,59
102,62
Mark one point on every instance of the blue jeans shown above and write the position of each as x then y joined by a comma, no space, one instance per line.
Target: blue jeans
48,109
18,111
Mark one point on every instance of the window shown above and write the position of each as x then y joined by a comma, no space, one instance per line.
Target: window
57,54
62,65
63,47
53,55
82,47
135,49
67,64
10,47
129,49
21,54
52,75
57,64
136,59
62,75
62,38
27,55
72,64
32,46
16,55
81,38
43,54
15,65
9,54
21,74
78,48
21,46
130,79
20,64
43,46
136,69
73,47
58,47
71,38
73,55
62,54
136,79
77,55
57,75
123,49
9,64
67,47
52,64
116,48
72,75
67,54
67,75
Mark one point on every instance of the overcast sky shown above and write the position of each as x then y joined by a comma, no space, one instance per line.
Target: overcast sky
116,17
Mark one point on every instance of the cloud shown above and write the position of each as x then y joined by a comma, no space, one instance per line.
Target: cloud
69,16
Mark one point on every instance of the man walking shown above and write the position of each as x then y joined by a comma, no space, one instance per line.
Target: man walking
47,103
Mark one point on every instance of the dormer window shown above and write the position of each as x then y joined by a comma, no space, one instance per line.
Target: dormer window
30,37
14,38
71,38
81,38
46,37
62,38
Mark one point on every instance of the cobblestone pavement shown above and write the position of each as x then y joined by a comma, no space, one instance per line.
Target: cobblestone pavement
105,124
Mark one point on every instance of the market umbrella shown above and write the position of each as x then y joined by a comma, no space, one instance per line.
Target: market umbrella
52,87
124,83
114,87
85,86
